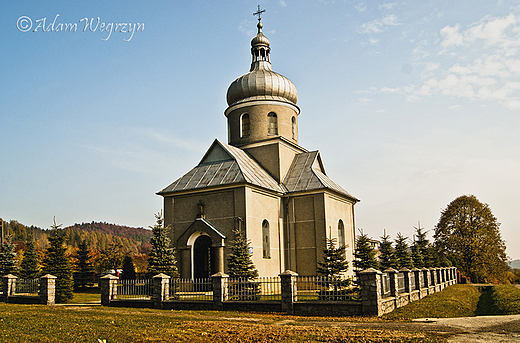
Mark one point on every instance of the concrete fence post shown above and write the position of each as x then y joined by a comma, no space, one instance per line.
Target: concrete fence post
220,289
161,289
108,284
371,292
289,288
48,289
8,286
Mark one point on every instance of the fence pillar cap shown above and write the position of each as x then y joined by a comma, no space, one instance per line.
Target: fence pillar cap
370,271
48,276
109,276
424,268
415,269
390,270
288,272
10,276
162,276
404,269
219,274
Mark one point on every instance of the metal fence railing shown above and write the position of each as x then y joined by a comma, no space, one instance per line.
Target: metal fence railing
413,286
188,289
385,285
135,289
400,283
29,287
320,288
257,289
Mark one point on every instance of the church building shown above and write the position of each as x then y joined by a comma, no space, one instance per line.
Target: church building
262,182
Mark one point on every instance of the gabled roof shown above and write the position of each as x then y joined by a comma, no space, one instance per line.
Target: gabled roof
307,174
224,165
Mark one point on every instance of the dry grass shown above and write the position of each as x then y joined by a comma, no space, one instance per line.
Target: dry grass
36,323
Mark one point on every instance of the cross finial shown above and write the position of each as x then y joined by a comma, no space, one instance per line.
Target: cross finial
259,13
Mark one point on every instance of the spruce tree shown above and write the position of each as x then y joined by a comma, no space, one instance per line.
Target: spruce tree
334,260
128,268
240,264
8,263
402,252
29,268
57,263
365,255
417,256
387,253
85,270
161,258
425,247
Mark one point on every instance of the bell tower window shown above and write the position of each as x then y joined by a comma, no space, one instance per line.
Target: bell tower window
272,124
293,121
245,128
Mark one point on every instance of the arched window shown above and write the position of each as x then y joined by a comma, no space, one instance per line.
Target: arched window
272,124
266,239
341,234
245,125
293,120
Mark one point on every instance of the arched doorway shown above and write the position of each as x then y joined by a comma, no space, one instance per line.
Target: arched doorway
202,267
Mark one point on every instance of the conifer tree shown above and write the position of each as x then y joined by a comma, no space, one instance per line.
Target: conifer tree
128,268
402,253
425,247
417,256
29,268
85,269
8,263
387,253
161,258
334,260
57,263
240,264
365,255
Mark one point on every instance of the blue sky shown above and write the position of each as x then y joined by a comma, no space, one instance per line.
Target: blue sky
411,103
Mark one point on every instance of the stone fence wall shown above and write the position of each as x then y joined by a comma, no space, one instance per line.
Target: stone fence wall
381,292
19,291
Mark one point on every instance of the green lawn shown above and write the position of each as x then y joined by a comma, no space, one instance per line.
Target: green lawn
462,301
87,295
501,299
453,301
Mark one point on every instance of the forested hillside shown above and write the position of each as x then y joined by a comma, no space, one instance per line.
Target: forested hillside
97,236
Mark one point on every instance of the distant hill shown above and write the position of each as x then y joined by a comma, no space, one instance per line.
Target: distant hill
515,264
97,235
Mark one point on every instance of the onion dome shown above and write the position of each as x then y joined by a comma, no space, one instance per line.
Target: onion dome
261,83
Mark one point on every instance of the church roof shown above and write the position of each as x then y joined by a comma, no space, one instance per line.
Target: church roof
307,174
224,165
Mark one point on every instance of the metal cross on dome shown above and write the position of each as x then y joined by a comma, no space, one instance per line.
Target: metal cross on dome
259,13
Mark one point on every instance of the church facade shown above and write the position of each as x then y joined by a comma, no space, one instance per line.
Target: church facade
262,182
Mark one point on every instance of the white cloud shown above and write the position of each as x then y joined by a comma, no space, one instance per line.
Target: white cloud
361,7
373,41
483,63
283,3
378,25
387,6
